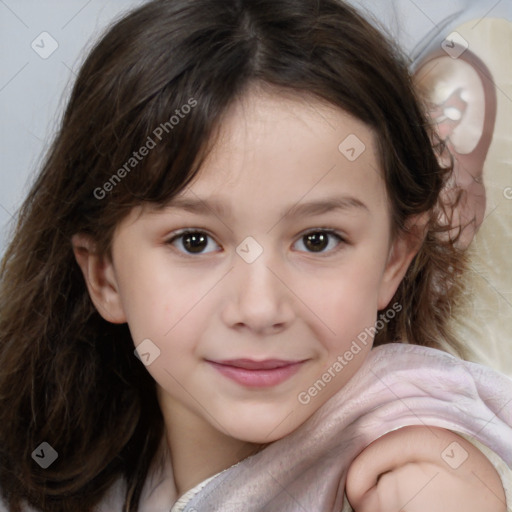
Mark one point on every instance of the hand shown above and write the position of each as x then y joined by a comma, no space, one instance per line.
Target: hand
404,471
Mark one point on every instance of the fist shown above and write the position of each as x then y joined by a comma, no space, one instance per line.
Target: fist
417,469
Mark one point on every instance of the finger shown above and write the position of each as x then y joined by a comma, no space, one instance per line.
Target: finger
394,450
423,446
383,497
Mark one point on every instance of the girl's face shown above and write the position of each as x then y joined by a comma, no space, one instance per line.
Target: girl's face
288,257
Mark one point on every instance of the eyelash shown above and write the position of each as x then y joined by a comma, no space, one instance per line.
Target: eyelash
330,232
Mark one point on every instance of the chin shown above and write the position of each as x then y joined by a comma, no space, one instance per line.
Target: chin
261,430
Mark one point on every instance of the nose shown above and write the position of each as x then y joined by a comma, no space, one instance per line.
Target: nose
261,301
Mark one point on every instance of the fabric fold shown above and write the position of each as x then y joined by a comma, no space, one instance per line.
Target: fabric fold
398,385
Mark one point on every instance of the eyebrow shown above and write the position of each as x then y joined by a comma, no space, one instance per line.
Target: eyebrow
311,208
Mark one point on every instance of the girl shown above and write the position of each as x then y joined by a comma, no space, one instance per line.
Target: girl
246,194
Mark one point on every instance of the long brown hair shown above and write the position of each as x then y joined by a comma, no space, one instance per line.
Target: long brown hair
70,378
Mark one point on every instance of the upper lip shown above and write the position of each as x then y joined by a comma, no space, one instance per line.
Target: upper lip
251,364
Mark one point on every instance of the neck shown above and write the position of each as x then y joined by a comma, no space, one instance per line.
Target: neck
197,450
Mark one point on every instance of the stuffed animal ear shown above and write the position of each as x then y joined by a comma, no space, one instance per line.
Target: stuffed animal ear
461,97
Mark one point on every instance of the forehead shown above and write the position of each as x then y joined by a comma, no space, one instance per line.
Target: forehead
272,149
278,160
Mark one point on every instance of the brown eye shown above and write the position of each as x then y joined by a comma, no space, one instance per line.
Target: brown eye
192,242
318,241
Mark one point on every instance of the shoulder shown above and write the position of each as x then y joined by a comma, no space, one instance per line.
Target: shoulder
501,467
407,457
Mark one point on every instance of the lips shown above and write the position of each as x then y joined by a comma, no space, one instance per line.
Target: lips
257,374
250,364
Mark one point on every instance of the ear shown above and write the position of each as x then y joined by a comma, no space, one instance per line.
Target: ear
403,248
100,278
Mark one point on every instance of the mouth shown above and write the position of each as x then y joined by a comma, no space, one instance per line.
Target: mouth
257,374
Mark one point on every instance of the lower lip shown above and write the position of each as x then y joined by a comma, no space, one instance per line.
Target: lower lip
257,378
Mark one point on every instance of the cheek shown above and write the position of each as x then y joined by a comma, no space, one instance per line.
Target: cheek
174,318
159,299
175,329
348,301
